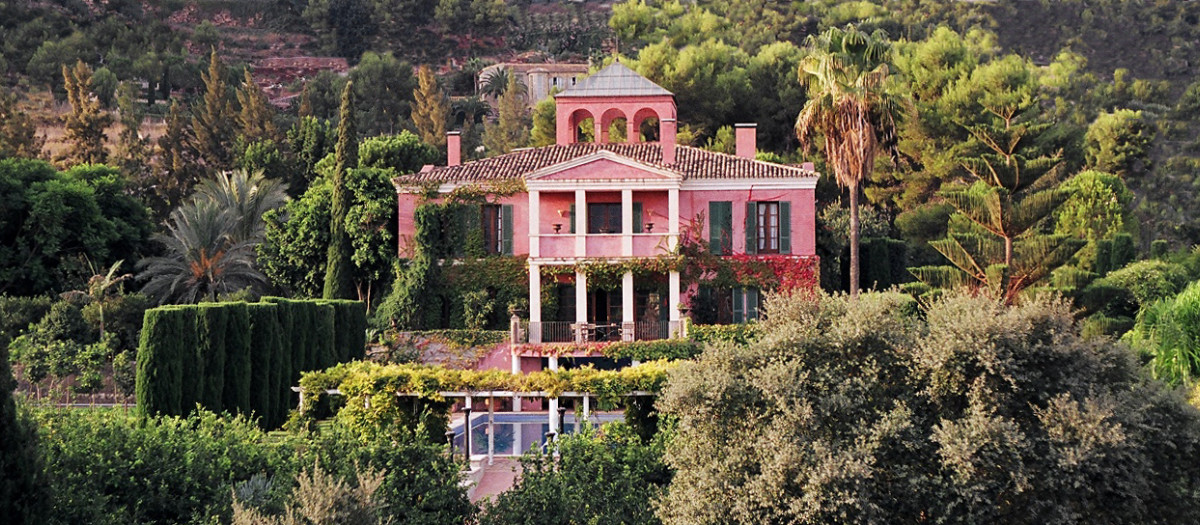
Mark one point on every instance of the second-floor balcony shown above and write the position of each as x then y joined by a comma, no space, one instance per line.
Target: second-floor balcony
568,332
567,245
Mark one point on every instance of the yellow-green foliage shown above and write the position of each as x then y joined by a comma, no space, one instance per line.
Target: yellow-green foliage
368,390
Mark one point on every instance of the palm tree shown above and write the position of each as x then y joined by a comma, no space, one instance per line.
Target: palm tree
203,260
853,104
497,83
211,240
247,196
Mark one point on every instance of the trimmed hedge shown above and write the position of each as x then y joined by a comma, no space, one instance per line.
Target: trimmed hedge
240,357
210,329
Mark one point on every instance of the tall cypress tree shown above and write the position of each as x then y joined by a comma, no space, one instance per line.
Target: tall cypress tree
213,123
257,117
338,282
87,120
20,488
431,109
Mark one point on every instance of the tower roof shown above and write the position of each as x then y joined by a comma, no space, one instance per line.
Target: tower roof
616,80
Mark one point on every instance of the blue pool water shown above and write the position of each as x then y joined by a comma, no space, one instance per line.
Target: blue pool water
517,432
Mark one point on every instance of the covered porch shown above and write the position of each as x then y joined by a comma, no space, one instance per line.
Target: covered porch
618,307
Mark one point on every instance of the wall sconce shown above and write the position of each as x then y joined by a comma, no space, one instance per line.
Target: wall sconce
557,227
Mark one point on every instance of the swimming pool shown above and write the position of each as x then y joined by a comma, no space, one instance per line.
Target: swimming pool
516,432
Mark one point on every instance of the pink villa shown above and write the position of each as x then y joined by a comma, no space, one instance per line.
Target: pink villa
604,202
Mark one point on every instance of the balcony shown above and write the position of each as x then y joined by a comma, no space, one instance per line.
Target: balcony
603,245
568,332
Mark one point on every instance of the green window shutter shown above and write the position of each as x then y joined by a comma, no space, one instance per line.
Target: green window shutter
506,224
751,304
739,305
720,225
751,227
637,218
572,218
785,227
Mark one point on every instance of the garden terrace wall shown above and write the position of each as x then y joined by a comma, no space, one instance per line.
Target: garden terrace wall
239,357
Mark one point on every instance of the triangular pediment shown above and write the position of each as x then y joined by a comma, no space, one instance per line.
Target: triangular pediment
602,166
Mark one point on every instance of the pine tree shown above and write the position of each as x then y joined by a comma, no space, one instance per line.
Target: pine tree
87,121
511,130
175,174
18,133
133,150
432,108
256,118
543,133
212,124
338,282
995,240
306,108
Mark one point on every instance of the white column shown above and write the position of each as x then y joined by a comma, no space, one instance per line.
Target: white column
580,223
535,303
491,431
535,224
581,303
673,221
627,322
627,223
673,302
554,417
587,409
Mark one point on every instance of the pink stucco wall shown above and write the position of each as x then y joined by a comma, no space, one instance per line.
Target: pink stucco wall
693,205
407,205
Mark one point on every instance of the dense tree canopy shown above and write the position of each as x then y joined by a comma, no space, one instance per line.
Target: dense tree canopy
972,412
53,223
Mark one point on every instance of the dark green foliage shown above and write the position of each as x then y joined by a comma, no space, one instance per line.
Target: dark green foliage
160,366
421,486
111,468
607,477
21,490
1159,248
50,222
325,351
264,346
236,394
884,262
17,313
338,265
211,328
973,412
192,359
282,368
349,330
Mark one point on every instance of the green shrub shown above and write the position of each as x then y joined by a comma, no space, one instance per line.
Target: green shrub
1148,281
1168,332
421,484
17,313
211,327
191,386
608,477
160,367
237,390
22,493
325,350
112,468
264,344
738,334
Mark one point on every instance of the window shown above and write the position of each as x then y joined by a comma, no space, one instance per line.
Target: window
496,227
768,227
720,227
604,217
492,229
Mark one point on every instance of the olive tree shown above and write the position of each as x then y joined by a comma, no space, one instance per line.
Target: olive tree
966,412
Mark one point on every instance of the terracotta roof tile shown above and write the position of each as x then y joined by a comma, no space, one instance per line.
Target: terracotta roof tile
690,163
